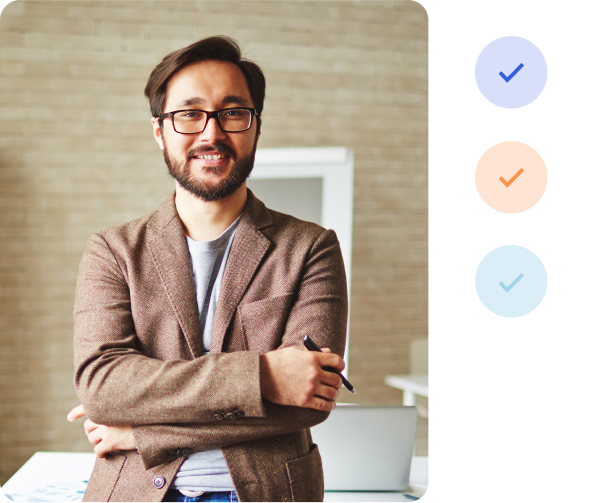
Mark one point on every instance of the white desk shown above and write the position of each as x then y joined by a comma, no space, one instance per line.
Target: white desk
47,467
411,384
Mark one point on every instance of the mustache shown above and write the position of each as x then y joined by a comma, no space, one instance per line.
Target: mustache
210,149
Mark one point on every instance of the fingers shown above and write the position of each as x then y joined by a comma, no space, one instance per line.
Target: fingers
101,450
89,426
326,388
329,378
294,376
95,436
323,405
330,360
100,439
75,413
327,392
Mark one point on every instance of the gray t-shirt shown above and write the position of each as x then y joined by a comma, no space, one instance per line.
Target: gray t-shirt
207,471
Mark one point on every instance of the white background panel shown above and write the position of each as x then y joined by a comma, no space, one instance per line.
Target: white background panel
509,408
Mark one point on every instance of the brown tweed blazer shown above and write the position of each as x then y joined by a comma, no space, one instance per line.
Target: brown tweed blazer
139,360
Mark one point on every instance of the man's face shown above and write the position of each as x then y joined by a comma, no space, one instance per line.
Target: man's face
208,85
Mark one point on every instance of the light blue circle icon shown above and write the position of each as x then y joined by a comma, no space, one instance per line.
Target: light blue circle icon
511,72
511,281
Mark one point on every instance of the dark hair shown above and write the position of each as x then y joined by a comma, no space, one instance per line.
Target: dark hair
219,48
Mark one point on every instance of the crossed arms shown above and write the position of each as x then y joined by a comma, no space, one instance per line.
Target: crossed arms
159,406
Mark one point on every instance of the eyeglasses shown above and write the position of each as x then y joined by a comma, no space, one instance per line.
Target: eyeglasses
230,120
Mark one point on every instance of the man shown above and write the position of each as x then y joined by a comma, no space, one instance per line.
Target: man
189,322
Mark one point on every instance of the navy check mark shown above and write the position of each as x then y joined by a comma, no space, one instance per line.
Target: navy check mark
511,76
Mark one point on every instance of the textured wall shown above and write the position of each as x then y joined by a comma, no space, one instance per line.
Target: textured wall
77,155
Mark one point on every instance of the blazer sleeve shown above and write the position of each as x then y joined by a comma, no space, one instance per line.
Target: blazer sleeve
321,309
119,385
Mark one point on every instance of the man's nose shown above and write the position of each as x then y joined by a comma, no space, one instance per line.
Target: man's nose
213,132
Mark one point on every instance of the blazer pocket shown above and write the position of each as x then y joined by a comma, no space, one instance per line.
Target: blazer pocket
306,477
263,322
104,477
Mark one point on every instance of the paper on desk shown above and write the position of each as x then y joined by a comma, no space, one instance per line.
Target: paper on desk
56,491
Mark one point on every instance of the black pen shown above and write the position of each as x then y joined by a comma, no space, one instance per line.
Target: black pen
311,346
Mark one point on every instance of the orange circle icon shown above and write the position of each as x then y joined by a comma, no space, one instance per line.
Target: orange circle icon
511,177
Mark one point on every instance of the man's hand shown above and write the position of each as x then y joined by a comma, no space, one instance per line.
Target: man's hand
294,376
105,438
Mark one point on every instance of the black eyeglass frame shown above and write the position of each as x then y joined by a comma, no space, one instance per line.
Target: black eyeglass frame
209,115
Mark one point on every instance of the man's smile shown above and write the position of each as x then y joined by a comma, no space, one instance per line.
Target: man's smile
211,156
217,162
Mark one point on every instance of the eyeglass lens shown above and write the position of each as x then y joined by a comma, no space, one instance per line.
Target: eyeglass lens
194,121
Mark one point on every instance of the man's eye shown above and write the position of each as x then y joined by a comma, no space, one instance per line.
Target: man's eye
190,115
235,114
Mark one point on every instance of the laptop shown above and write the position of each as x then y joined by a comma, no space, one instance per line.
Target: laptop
367,448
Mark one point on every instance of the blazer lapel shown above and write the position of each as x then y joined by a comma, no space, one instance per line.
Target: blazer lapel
248,249
168,247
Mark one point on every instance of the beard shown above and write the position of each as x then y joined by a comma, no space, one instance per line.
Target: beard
181,171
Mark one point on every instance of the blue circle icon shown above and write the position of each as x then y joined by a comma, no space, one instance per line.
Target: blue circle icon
511,72
511,281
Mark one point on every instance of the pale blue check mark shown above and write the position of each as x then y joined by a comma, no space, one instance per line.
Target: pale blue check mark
512,284
511,76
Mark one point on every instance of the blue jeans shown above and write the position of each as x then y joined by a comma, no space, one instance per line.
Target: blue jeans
174,495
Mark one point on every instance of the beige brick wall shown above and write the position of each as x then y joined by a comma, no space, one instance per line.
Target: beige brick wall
77,155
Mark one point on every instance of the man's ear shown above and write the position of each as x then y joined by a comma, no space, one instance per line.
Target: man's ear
157,131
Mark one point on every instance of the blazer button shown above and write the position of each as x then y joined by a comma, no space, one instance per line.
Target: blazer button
159,482
187,451
230,415
217,417
239,413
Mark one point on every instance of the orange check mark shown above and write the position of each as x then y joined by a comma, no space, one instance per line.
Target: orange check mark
512,180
